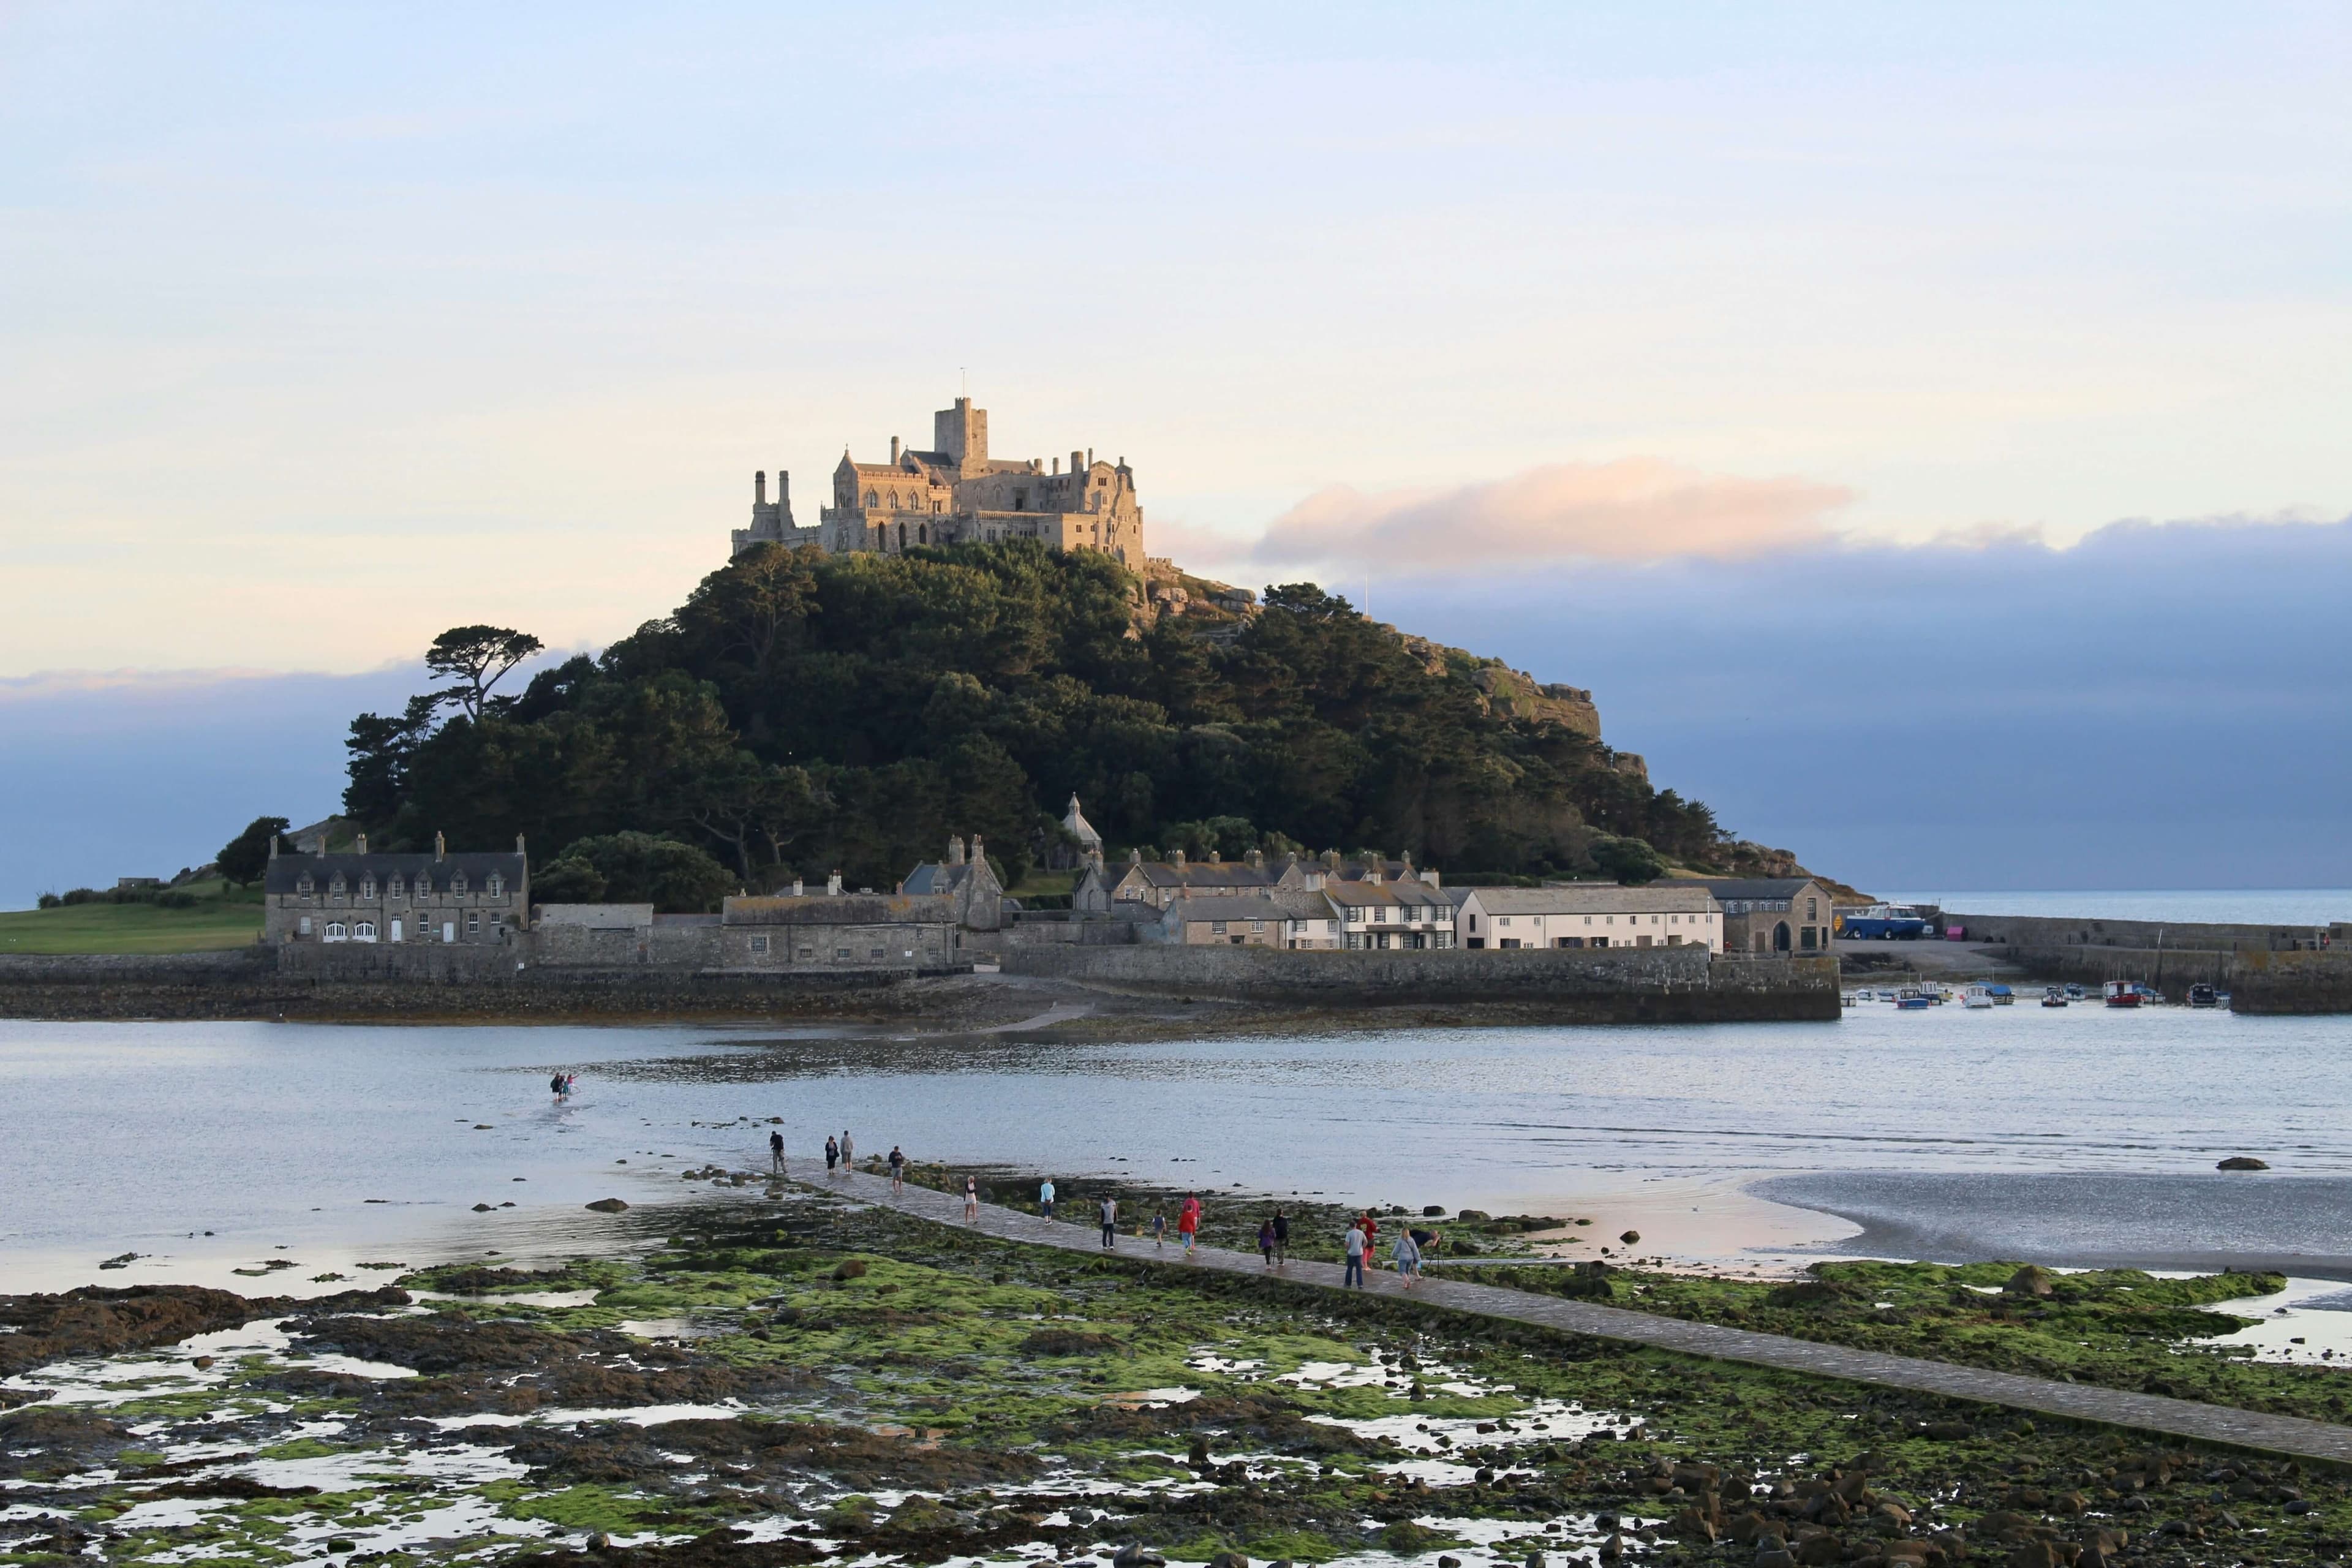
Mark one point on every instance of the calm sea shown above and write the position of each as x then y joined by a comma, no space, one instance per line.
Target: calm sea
2236,906
208,1145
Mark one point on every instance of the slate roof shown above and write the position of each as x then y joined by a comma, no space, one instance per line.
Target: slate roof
1234,907
1750,887
837,909
285,872
1595,899
933,878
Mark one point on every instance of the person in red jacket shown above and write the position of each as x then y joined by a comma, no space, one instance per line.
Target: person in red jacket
1188,1223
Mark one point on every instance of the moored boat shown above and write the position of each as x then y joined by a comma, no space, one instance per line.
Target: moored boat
2076,993
2054,996
1977,996
2123,994
2002,996
2203,995
1914,1001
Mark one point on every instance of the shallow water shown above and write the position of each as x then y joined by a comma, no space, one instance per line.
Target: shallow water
275,1138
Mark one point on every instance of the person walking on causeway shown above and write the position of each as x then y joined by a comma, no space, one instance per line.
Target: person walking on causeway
776,1152
1354,1274
1265,1241
972,1199
1408,1258
832,1155
898,1169
1188,1223
1108,1215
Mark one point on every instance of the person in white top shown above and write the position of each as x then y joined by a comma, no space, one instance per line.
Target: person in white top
1408,1258
1355,1272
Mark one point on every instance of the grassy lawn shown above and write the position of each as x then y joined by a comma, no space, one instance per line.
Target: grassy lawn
222,917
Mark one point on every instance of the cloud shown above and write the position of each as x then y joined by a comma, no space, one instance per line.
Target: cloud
1633,509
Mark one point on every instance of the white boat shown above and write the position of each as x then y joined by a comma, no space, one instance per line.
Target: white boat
1977,996
2054,996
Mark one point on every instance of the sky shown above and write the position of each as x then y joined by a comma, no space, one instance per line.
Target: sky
1922,427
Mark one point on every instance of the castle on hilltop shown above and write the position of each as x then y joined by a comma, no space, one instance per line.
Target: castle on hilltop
957,494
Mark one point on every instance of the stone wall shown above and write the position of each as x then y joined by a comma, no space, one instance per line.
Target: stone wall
414,984
1659,984
2048,930
2171,971
2303,981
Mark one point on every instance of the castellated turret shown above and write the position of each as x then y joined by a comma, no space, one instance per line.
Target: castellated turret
956,493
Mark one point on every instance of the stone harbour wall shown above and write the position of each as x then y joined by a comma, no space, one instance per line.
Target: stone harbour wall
2303,981
2038,931
408,985
1650,985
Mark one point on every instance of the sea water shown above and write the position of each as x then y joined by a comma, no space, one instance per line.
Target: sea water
2016,1130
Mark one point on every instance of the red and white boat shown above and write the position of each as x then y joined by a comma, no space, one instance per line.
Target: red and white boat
2123,994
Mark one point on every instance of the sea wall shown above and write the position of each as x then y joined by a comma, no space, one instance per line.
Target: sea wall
2303,981
431,982
2171,970
1661,984
2039,931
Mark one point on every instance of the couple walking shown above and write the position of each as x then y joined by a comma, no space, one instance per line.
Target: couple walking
1362,1243
839,1152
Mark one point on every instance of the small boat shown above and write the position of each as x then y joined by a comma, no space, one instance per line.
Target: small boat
2002,996
1912,1001
2123,994
2054,996
1848,998
1886,996
2076,993
1977,996
2203,995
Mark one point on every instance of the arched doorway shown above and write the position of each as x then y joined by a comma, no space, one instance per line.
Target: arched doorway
1780,937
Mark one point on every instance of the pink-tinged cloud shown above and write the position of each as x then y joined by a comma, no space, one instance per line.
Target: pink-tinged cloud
1635,509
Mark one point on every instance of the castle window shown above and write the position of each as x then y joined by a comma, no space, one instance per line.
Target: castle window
1020,501
922,534
872,498
894,501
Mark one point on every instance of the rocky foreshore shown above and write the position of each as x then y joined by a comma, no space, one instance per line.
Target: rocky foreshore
781,1376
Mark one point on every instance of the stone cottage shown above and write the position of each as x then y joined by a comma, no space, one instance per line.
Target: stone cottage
358,897
967,880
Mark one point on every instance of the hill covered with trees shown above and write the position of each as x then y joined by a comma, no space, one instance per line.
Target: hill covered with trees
805,712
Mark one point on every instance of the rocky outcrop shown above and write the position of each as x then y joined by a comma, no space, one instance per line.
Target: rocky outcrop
98,1320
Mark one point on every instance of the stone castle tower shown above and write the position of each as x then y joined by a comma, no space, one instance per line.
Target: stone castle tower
956,493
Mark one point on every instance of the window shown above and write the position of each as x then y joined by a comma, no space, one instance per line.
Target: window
304,928
496,886
306,886
877,953
1257,925
758,944
338,931
841,953
894,501
363,931
457,885
336,890
1812,909
808,953
1216,928
367,888
1020,501
1504,921
872,498
473,923
395,888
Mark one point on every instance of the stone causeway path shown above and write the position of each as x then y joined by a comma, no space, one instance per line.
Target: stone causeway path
2076,1401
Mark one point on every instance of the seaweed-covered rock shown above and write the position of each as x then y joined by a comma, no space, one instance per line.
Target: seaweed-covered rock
100,1321
53,1440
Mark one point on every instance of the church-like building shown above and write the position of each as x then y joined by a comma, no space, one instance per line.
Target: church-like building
956,493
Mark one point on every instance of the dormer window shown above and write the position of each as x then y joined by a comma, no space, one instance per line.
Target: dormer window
423,887
396,887
457,885
367,890
496,886
336,890
306,886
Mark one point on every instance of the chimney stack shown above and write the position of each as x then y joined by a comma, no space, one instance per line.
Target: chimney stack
440,848
273,847
760,488
359,844
519,848
955,849
894,451
1075,465
1176,858
833,883
978,859
796,886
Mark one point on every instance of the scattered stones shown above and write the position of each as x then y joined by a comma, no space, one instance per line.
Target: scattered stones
122,1260
483,1208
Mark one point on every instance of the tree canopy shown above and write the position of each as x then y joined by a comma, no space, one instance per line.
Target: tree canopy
805,712
244,857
